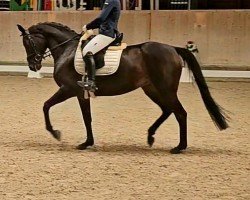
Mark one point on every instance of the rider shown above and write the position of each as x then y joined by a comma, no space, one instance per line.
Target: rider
107,24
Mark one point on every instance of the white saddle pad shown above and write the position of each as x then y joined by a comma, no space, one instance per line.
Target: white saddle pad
111,59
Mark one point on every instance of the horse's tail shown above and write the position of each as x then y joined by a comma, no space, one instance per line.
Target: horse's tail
215,111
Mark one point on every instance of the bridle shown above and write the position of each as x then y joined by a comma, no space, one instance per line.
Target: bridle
39,56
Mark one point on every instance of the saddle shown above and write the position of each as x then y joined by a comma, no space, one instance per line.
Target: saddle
107,60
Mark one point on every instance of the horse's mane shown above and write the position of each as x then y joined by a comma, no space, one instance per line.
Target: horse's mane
53,24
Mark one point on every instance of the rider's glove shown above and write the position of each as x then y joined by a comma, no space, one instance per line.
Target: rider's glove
84,28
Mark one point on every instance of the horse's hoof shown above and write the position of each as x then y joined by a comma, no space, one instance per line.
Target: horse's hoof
84,146
175,150
57,135
151,141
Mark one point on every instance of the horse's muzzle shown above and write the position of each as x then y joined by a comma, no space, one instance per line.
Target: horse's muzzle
35,67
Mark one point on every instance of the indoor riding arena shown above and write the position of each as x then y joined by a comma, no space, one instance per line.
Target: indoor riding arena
121,164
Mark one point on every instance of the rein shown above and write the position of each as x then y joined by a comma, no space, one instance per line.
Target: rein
48,52
39,56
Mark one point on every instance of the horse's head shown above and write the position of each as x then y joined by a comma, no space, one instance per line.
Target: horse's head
35,46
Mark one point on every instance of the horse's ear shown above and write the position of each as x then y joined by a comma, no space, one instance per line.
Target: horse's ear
21,29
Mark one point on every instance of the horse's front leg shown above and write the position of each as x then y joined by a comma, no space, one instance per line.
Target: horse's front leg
86,113
61,95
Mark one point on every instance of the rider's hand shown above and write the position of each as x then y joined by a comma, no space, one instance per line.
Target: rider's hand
84,28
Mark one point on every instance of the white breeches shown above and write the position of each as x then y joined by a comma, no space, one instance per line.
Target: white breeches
98,43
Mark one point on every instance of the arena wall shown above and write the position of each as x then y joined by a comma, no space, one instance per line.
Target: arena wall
222,37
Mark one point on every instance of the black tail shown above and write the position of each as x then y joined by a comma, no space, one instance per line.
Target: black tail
213,108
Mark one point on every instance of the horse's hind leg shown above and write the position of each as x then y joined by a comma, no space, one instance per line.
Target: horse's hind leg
152,130
168,101
172,103
155,97
61,95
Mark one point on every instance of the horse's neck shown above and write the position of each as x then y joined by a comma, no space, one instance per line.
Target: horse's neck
54,38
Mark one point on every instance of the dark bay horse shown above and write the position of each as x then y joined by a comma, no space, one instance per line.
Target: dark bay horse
152,66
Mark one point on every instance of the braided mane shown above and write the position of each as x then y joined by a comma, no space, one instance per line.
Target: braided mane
55,25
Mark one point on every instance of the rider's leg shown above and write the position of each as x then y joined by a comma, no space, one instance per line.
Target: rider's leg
98,43
91,68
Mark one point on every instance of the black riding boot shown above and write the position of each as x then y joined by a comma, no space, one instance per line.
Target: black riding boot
89,84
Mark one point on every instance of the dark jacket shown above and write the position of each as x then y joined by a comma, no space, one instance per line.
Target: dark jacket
108,19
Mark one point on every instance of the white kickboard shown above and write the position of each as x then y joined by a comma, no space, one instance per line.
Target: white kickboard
32,74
